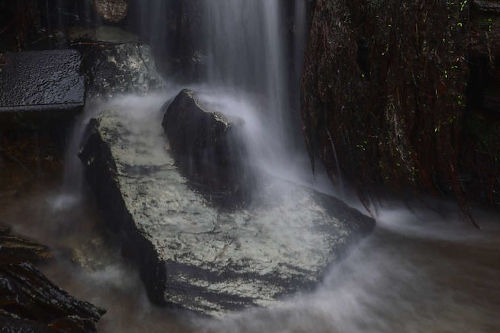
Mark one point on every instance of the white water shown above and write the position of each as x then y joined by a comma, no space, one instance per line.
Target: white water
249,71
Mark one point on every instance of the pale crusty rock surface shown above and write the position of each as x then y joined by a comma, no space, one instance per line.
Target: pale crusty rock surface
194,255
111,10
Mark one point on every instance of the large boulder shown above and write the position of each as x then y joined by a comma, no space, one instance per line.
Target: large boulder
206,145
199,257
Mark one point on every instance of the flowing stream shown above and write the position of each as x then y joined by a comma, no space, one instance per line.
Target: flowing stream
420,271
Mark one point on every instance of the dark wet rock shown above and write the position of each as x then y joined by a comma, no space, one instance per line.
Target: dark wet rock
29,302
119,68
196,256
48,81
111,10
115,62
206,145
4,230
13,324
15,249
102,34
368,94
73,324
487,6
28,294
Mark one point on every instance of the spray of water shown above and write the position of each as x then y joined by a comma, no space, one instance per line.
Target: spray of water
248,77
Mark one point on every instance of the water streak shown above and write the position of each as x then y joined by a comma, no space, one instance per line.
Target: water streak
248,64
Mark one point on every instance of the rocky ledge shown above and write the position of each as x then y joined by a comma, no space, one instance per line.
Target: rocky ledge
199,257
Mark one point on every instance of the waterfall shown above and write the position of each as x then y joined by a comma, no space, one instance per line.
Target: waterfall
248,53
153,22
244,45
71,191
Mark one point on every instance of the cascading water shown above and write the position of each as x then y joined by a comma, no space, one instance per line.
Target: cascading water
244,47
152,22
249,70
72,187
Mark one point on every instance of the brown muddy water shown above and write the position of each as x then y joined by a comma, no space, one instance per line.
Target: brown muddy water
420,271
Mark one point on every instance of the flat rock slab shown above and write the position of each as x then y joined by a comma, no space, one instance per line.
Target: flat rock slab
194,255
42,81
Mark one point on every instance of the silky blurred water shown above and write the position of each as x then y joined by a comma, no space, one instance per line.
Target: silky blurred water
418,272
424,269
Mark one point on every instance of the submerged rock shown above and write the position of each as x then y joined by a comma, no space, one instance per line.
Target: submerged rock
194,255
206,145
92,255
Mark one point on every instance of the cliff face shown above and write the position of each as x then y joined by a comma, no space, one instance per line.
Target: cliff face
396,90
